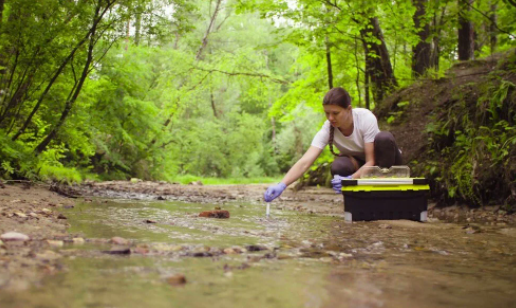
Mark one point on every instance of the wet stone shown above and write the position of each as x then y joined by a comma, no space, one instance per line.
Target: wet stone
119,240
230,251
140,250
20,214
118,251
46,211
471,229
78,240
48,255
176,280
54,243
256,248
202,254
215,214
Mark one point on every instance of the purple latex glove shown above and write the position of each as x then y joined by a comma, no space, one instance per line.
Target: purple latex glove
274,191
337,184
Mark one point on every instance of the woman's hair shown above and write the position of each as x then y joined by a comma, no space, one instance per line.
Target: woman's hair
340,97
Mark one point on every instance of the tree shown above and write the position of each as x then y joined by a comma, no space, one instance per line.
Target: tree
421,59
466,32
378,64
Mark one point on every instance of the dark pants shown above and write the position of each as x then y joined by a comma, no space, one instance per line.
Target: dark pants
386,154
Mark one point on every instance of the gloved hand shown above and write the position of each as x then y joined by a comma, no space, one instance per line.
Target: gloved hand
274,191
337,184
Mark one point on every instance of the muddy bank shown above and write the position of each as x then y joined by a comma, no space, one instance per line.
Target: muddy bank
31,228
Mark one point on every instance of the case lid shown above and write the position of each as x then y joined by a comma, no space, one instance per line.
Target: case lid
389,184
392,172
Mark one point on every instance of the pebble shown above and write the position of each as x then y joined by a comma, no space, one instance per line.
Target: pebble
284,257
48,255
140,250
78,240
118,251
54,243
345,255
14,236
255,248
385,226
228,274
176,280
119,240
215,214
20,214
229,251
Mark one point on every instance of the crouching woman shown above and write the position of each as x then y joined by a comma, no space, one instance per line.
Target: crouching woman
355,133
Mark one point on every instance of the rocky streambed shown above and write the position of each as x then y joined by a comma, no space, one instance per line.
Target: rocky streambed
132,244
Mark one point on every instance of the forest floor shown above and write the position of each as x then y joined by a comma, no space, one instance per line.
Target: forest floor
34,211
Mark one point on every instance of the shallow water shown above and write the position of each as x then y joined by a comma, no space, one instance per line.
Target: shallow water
311,261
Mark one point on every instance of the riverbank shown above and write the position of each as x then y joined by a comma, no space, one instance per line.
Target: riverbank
41,241
31,227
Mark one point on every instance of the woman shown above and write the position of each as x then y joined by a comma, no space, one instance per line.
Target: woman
355,133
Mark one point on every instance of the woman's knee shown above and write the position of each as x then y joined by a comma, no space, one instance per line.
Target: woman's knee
342,166
386,150
384,138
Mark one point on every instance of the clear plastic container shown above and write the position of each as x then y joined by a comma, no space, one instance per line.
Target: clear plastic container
375,172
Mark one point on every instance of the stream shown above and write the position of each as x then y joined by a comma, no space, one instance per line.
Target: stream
291,259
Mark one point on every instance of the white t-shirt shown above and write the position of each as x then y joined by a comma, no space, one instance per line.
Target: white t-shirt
364,131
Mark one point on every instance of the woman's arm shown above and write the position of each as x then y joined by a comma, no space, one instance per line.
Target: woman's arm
301,165
369,157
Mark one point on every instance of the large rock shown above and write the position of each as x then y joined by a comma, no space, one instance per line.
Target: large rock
14,236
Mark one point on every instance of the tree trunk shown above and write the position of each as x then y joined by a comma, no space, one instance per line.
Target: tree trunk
127,31
366,82
357,80
328,62
65,62
422,51
466,32
77,89
512,2
17,98
378,63
213,104
436,51
273,120
493,41
1,12
208,31
138,28
69,103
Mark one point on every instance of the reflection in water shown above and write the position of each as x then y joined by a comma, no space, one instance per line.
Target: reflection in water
310,261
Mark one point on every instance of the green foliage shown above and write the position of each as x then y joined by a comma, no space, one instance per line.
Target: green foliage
472,144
